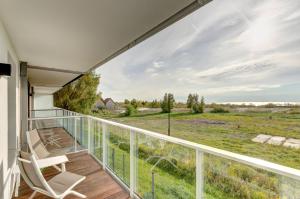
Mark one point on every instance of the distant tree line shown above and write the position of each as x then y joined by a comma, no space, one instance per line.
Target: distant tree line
166,104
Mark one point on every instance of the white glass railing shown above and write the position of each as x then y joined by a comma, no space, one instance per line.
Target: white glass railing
152,165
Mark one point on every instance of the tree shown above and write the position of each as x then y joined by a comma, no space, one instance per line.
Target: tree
189,101
154,104
80,95
126,101
144,103
168,103
202,105
193,103
134,103
130,110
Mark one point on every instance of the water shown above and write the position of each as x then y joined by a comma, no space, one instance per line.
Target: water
262,103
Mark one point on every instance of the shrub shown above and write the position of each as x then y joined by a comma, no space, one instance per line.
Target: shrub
130,110
219,110
196,108
270,105
232,179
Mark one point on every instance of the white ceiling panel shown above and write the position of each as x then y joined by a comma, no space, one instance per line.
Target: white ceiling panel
45,78
80,34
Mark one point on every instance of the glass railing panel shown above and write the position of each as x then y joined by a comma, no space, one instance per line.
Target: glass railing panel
82,132
45,113
55,136
96,139
118,152
289,188
78,133
225,178
164,169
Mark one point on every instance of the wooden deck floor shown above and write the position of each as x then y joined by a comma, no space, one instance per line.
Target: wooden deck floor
97,185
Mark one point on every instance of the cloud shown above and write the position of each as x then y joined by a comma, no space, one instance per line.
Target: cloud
246,49
158,64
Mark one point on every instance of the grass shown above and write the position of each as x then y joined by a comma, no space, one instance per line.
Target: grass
223,179
228,131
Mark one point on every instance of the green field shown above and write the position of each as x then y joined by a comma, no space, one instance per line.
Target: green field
223,179
229,131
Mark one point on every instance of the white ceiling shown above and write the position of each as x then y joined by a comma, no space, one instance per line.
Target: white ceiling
45,90
78,34
45,78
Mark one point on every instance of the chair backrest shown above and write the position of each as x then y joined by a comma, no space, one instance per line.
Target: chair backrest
28,171
32,174
36,145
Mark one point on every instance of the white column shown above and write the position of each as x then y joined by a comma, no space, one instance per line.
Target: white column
199,175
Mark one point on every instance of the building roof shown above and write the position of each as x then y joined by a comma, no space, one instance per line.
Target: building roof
108,99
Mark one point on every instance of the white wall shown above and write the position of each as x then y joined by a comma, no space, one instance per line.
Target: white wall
42,101
9,109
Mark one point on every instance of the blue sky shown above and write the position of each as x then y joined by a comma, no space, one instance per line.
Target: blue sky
228,50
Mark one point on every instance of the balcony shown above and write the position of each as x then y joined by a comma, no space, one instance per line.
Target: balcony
98,184
122,160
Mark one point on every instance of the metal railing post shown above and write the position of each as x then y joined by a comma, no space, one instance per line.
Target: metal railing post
89,135
99,134
113,158
81,131
199,174
133,165
123,166
104,145
75,134
68,121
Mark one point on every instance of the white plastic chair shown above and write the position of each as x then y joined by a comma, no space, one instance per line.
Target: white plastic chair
58,187
38,149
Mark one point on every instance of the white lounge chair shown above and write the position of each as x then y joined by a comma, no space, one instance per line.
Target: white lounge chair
58,187
38,149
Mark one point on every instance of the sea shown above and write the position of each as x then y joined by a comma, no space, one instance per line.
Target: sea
262,103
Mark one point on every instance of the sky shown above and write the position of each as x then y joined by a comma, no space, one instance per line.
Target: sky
226,51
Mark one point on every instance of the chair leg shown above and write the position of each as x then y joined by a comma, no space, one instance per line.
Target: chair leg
63,167
77,194
32,195
57,168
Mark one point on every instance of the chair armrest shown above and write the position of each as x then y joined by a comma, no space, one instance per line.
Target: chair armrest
46,162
